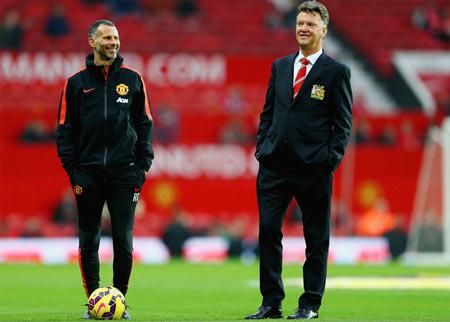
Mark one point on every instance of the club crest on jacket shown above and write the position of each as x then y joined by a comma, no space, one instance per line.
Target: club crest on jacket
318,92
78,190
122,89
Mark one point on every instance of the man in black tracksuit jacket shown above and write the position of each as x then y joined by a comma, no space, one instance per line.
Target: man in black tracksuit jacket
104,140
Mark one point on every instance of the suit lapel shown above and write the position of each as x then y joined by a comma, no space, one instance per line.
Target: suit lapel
289,70
312,75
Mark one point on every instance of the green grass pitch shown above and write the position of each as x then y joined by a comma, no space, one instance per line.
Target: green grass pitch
180,291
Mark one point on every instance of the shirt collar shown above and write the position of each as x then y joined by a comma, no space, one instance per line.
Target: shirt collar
311,58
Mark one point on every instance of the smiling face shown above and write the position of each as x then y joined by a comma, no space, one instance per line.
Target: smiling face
310,31
105,44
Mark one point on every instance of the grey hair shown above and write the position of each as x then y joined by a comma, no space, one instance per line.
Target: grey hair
93,28
315,6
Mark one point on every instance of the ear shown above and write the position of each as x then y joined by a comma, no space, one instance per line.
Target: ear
91,42
325,31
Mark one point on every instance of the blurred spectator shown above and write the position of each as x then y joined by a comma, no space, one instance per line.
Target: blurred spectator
250,250
430,234
444,35
387,136
11,31
177,232
188,12
57,25
274,20
376,221
287,10
419,18
32,228
168,130
37,131
234,102
436,23
186,8
433,20
408,138
363,132
233,233
397,238
66,212
124,7
235,132
340,219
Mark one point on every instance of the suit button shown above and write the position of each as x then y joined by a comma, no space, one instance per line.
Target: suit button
257,155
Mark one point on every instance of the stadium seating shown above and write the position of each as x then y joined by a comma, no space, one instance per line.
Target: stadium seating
225,26
378,28
228,27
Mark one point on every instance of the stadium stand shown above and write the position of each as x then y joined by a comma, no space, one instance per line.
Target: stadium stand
234,30
378,28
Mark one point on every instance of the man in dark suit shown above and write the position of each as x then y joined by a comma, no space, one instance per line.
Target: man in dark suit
304,129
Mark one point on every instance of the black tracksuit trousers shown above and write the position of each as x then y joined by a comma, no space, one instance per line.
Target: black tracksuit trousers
120,190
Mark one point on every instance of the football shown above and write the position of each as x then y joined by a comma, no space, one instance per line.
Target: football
106,303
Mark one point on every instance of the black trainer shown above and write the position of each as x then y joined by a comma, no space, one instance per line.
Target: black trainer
87,316
126,316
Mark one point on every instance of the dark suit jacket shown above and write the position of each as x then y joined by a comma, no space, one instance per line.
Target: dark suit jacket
317,124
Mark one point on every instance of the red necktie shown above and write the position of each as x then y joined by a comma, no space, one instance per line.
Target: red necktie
301,75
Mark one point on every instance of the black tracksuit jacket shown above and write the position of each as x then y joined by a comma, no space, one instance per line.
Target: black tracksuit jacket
104,119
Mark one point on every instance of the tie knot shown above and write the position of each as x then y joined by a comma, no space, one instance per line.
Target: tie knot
304,61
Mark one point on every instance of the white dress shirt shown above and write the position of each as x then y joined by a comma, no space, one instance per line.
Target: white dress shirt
311,61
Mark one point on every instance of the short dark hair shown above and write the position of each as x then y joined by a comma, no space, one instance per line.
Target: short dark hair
315,6
93,28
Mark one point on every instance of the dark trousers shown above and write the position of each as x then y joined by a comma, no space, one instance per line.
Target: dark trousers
120,190
311,186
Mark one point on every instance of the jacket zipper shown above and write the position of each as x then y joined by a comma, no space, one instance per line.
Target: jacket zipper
106,129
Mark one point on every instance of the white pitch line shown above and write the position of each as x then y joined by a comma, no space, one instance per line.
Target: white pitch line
374,283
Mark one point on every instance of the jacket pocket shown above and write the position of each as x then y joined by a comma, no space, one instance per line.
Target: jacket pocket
81,178
140,175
